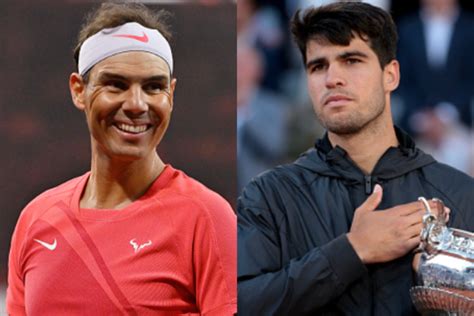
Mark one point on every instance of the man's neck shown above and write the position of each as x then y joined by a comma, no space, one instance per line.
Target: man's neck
366,147
116,184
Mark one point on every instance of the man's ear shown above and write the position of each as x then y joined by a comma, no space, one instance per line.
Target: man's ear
391,75
172,87
78,89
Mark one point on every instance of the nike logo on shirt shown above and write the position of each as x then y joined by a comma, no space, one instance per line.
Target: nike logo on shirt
46,245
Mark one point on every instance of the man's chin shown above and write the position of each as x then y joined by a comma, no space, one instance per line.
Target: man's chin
127,154
343,129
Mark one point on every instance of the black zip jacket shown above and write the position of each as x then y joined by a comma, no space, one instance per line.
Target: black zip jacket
294,256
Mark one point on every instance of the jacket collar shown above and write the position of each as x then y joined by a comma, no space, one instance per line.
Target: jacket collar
335,162
406,143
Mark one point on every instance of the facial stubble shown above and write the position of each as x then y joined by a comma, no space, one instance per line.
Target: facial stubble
353,121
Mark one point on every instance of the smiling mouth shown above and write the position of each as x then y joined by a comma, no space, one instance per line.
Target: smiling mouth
133,129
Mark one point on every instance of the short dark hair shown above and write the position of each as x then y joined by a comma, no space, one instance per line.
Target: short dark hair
339,23
109,15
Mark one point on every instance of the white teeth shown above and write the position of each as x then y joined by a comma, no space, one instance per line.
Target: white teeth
132,128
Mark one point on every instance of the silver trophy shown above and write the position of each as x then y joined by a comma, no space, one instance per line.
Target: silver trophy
445,271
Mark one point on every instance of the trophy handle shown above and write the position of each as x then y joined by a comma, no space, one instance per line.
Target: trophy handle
440,211
434,227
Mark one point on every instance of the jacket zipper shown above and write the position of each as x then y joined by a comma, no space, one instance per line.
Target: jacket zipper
368,185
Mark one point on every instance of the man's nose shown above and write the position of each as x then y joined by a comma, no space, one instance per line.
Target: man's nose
135,101
334,77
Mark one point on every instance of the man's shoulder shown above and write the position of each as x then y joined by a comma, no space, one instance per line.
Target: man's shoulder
185,187
294,174
290,172
450,183
275,186
47,199
442,175
456,189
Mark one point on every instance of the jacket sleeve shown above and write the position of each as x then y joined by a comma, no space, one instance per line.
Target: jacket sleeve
268,283
456,190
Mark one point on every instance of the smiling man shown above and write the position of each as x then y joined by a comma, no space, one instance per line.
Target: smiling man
334,232
133,236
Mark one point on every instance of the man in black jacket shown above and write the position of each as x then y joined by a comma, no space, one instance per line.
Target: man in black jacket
334,232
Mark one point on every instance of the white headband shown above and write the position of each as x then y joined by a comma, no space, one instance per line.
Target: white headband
127,37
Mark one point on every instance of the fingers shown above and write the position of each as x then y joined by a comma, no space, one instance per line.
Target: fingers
372,201
413,242
414,231
413,218
416,261
413,207
408,209
448,212
413,224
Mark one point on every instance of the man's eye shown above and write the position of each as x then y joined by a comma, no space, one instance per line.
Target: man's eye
316,67
352,61
116,85
154,87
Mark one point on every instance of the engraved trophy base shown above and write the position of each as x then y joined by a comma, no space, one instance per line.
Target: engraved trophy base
435,301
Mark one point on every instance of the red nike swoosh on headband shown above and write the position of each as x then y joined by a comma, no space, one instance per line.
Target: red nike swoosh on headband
143,38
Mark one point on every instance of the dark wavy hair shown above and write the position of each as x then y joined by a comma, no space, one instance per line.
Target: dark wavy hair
339,23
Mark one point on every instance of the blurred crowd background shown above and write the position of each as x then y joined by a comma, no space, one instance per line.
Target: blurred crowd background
434,102
45,139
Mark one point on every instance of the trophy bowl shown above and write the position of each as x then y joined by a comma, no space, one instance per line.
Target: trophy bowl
445,270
